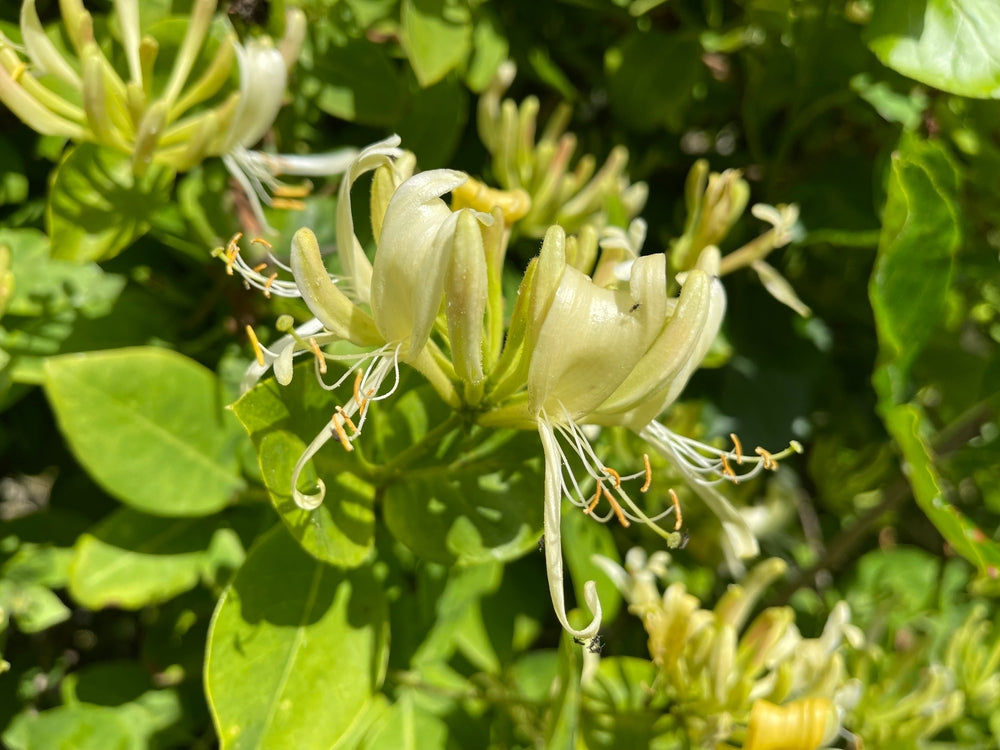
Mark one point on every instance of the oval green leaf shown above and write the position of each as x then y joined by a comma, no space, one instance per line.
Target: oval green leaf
948,44
296,649
148,426
437,36
131,560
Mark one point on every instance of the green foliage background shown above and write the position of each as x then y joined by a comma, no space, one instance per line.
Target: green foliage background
410,610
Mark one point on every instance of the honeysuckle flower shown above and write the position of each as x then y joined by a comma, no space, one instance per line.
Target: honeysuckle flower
570,198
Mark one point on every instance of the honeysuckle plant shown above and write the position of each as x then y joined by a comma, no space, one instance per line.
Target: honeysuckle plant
431,299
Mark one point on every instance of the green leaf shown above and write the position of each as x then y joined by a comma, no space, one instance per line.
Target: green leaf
583,537
920,234
130,726
652,77
148,425
948,44
33,606
489,49
408,726
436,35
132,560
281,421
909,427
356,81
432,123
296,649
98,207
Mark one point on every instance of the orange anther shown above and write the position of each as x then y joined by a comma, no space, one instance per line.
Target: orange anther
737,447
614,475
320,359
259,267
677,509
261,241
769,462
294,191
597,497
338,427
267,284
258,352
288,203
232,250
347,420
649,473
616,507
728,470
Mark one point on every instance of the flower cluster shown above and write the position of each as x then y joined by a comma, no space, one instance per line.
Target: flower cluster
599,335
762,682
572,198
159,111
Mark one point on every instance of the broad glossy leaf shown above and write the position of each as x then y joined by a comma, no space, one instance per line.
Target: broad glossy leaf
132,560
356,81
437,36
296,649
149,426
98,207
920,234
948,44
489,49
281,421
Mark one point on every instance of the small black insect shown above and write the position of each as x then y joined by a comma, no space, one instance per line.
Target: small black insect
250,12
596,644
541,543
635,307
685,538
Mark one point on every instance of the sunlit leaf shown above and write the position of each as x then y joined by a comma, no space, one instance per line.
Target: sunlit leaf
437,36
948,44
149,427
296,649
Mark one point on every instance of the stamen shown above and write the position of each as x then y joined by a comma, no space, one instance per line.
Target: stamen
738,448
341,434
358,398
261,241
267,284
347,420
649,473
597,498
293,191
728,470
288,203
258,352
259,267
769,462
232,250
614,474
616,507
677,509
320,359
